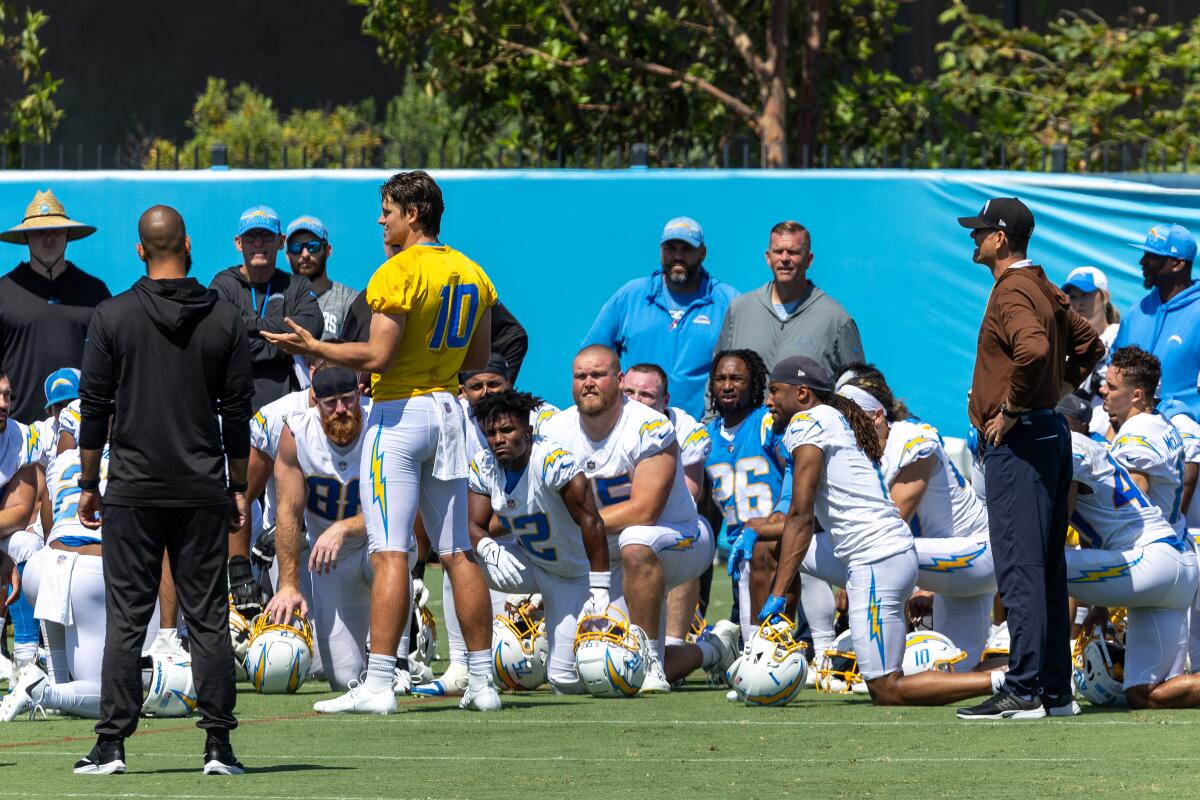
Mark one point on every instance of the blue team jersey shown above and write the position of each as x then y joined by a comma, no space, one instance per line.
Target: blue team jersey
746,470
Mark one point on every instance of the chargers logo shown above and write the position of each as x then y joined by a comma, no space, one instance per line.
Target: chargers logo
1134,439
954,563
378,482
874,619
554,458
1103,574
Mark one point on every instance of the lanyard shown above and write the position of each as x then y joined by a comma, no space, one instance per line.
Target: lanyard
261,312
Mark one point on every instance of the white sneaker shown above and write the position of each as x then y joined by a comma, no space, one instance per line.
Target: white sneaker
482,698
656,679
168,645
724,637
810,680
859,687
8,670
18,701
453,683
401,681
733,697
359,700
419,672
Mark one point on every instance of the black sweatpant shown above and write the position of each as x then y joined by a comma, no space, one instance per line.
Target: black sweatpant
197,541
1027,478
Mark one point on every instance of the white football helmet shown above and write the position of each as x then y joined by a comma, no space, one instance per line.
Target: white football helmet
608,656
279,656
519,647
170,691
774,667
929,650
239,634
837,668
1099,668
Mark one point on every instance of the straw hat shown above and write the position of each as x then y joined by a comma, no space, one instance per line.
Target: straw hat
46,213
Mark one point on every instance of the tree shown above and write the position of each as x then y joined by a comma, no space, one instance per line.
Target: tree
33,116
684,77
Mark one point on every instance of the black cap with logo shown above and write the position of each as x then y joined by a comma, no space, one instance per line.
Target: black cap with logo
802,371
1006,214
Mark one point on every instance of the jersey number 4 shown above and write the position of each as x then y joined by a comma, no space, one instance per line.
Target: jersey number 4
452,329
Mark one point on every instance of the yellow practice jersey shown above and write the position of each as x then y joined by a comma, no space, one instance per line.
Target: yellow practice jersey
442,294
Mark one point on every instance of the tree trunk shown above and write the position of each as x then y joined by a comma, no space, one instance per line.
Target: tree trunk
808,110
773,121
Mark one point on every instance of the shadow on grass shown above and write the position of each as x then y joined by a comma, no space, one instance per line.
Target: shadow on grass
250,770
509,701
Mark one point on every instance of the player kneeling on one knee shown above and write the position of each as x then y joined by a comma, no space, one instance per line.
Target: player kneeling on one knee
837,482
549,537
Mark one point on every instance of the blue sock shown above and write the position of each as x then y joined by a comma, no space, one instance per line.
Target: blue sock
25,628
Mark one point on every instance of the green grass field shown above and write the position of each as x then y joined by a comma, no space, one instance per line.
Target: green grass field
690,744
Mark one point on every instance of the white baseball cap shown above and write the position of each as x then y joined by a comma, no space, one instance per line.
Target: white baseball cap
1086,279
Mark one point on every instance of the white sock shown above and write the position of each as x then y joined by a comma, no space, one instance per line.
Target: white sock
381,670
673,641
709,655
25,652
458,645
997,681
479,666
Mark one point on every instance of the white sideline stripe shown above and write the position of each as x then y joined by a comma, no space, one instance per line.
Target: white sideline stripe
833,759
409,719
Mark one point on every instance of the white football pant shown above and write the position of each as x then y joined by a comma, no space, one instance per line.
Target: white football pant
961,573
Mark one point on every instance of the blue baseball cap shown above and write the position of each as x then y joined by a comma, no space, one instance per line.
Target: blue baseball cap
259,218
1170,240
62,386
1086,280
685,229
310,224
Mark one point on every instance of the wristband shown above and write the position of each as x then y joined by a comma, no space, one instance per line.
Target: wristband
600,580
89,485
237,487
1008,412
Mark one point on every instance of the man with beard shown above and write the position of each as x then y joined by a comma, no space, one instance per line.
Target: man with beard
266,296
670,318
308,251
1164,322
630,454
317,491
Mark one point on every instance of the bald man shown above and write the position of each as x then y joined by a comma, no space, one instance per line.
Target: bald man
168,490
657,541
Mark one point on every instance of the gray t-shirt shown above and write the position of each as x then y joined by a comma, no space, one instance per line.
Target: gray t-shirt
334,303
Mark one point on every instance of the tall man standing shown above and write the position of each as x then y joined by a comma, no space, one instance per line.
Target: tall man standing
1032,351
46,304
265,296
308,251
670,318
163,361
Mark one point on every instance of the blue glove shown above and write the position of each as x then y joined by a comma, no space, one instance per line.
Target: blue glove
773,606
740,550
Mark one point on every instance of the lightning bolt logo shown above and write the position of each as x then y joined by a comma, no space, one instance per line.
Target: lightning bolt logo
697,436
684,542
616,678
911,443
378,482
261,422
188,701
651,426
954,563
553,458
1103,574
875,621
1133,438
31,442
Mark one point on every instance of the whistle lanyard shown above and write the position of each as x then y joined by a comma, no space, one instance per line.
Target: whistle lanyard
261,312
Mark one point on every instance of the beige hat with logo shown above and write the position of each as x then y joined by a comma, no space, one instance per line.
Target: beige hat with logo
46,213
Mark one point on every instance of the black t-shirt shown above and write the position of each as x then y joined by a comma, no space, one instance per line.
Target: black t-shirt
43,325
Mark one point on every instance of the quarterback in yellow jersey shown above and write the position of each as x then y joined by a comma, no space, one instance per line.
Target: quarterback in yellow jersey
431,318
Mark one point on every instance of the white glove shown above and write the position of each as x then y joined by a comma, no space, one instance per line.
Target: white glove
597,602
502,566
420,593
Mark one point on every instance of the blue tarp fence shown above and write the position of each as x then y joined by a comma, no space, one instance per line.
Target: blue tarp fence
557,243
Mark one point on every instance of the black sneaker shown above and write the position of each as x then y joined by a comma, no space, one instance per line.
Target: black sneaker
106,758
1004,706
219,758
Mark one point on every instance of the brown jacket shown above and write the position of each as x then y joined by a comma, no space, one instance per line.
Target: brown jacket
1030,343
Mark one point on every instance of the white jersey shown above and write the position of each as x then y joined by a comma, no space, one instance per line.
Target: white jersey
69,420
640,432
38,442
265,427
950,507
62,485
1148,443
1189,433
1115,514
330,475
852,503
530,507
12,450
694,442
476,441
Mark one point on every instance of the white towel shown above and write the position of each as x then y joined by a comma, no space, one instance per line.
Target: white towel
450,460
54,595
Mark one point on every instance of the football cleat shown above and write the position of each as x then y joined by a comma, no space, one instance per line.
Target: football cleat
419,673
609,655
481,698
774,667
401,681
655,681
452,683
724,637
279,657
359,700
20,699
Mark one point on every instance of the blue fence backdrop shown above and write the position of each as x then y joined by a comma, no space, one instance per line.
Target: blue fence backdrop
558,242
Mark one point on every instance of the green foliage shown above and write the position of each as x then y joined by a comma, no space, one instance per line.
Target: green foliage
32,116
255,133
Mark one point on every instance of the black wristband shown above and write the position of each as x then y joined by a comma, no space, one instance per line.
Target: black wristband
89,486
1008,412
237,487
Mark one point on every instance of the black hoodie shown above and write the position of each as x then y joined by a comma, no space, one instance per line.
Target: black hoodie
263,307
166,358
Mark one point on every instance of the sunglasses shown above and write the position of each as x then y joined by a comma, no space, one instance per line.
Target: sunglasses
313,247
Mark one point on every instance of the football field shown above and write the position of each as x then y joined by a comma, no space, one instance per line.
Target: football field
690,744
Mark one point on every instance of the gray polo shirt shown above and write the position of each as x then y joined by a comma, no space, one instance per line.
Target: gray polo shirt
334,303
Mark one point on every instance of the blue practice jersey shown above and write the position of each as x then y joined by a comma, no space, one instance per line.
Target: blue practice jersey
745,469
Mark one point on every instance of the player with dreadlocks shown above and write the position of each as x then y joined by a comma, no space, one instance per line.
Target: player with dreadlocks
837,483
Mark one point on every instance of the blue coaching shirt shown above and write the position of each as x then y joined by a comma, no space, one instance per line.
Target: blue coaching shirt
746,470
1171,331
644,322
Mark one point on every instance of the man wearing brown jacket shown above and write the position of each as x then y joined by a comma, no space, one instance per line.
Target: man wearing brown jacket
1032,351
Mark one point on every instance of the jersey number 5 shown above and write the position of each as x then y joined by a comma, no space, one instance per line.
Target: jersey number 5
452,330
